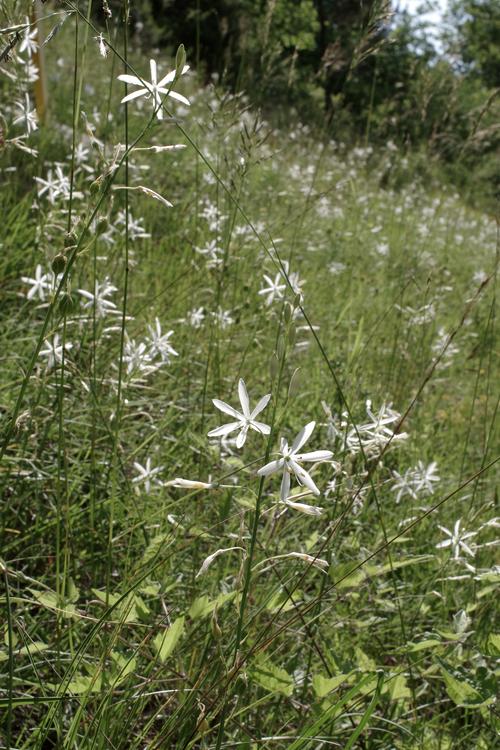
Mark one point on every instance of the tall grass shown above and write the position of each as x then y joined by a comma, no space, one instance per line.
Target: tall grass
159,591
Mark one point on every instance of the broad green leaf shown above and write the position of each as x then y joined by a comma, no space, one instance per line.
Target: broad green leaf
397,688
271,677
463,692
324,685
493,644
166,641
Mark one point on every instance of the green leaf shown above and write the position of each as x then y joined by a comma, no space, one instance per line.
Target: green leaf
464,690
397,688
324,685
165,642
203,606
271,677
492,646
423,645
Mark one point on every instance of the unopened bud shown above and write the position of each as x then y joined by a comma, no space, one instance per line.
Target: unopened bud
180,60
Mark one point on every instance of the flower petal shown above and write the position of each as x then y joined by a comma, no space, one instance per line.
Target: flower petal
222,406
153,69
303,436
309,510
126,78
314,456
261,405
240,440
170,76
134,95
243,395
224,429
271,467
285,486
179,98
303,477
264,429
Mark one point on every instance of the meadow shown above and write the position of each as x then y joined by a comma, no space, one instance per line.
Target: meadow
249,398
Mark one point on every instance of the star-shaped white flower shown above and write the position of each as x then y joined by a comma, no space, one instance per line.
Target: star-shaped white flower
245,420
457,540
290,460
275,288
146,475
156,88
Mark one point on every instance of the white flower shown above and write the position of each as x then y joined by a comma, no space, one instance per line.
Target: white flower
275,288
28,43
213,254
457,540
103,50
159,343
146,474
374,435
54,351
42,283
27,115
137,358
103,306
416,480
245,420
223,318
155,88
290,459
195,317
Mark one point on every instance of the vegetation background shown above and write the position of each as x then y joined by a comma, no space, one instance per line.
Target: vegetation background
311,210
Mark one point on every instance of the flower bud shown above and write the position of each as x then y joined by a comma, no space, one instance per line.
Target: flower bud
180,60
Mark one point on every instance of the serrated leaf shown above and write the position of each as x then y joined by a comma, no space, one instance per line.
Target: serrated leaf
166,641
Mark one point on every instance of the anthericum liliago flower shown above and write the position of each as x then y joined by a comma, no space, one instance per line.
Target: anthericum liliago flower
245,420
155,88
290,460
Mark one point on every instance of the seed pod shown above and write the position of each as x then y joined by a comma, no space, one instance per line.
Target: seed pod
59,263
287,312
70,239
66,303
293,388
274,366
292,335
102,225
